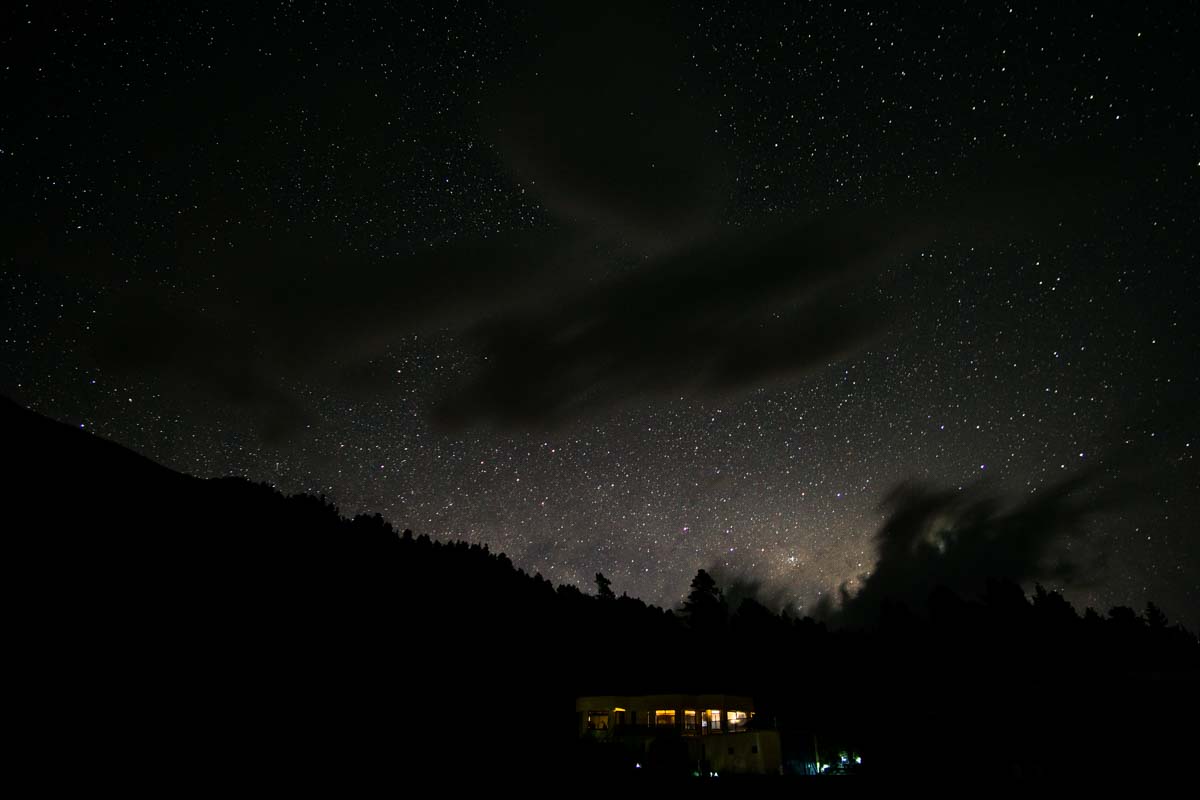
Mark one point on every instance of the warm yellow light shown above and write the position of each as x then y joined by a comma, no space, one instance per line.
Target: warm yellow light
618,708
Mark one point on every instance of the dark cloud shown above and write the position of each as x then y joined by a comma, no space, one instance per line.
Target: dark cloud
731,312
738,585
266,328
959,539
739,308
206,355
561,326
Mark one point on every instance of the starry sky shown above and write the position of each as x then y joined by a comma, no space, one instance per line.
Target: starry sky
631,289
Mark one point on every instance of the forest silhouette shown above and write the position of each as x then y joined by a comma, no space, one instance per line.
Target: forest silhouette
170,628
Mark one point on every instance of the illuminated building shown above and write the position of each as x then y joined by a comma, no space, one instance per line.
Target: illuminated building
719,731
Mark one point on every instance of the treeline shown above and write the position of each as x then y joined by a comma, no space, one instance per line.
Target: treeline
167,626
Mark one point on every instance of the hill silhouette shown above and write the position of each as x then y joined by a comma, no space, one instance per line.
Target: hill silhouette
170,628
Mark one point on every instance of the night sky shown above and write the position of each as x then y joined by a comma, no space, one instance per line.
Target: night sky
635,290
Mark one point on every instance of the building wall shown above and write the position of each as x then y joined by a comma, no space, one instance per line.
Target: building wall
753,751
748,753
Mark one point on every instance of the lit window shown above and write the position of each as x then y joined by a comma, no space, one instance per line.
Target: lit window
737,720
712,719
664,718
689,720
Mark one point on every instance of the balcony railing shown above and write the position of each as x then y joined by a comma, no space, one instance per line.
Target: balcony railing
628,729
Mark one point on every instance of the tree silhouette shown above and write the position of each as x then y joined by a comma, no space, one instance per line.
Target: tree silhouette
1155,617
1124,617
604,587
705,608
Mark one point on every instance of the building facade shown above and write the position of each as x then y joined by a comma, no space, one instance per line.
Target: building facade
718,732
